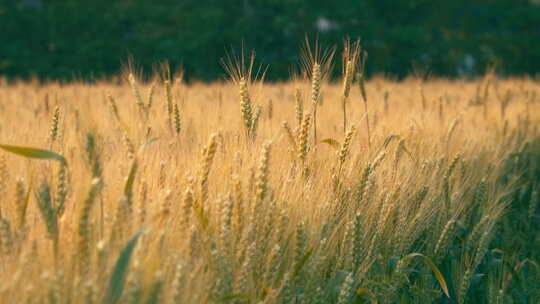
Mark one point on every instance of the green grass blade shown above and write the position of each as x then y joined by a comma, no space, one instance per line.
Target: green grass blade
128,188
34,153
235,297
302,262
436,271
388,140
147,143
332,142
119,274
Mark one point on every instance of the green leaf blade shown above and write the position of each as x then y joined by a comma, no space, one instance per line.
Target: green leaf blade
36,153
119,274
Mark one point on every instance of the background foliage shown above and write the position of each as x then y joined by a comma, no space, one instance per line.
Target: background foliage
89,39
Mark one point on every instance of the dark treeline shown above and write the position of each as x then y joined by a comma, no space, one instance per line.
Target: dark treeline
60,39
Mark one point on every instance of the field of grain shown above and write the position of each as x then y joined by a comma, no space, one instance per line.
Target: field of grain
250,192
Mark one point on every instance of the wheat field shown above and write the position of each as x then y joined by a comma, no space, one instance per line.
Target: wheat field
134,191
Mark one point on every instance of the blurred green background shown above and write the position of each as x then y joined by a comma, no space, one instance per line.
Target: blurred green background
76,39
